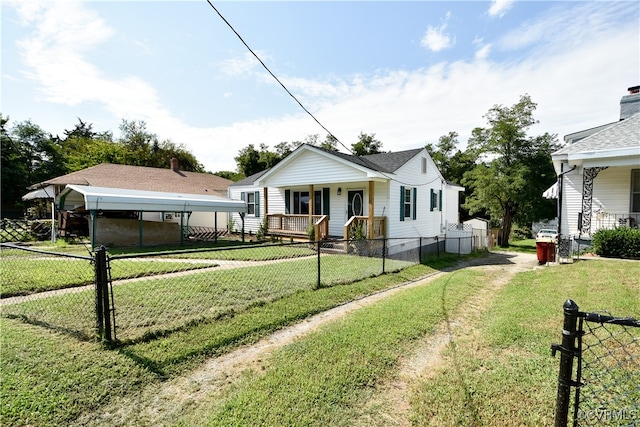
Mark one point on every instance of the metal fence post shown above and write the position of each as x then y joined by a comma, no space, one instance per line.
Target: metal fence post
103,311
384,253
567,353
319,274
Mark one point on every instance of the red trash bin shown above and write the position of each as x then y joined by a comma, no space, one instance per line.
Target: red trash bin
551,252
541,251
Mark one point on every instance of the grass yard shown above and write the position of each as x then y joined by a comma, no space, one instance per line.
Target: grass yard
503,374
34,359
524,246
25,273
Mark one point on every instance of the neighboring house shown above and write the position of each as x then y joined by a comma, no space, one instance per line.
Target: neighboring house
337,195
599,174
147,197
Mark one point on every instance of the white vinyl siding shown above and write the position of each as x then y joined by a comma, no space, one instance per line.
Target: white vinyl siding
312,168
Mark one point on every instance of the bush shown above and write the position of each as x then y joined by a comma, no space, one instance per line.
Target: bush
519,232
621,242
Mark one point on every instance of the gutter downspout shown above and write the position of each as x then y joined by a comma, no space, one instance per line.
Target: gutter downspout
560,185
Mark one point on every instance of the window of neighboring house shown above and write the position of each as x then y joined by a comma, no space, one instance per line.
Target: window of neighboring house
424,165
436,200
301,202
635,190
408,203
253,202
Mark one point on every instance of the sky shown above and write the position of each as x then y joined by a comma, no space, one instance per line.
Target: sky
408,72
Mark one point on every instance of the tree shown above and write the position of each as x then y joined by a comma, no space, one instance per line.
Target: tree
330,143
367,144
515,169
14,169
29,156
231,175
248,160
453,165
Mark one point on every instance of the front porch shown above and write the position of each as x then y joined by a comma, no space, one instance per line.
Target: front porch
320,212
317,226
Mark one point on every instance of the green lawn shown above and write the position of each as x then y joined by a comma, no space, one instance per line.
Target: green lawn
525,246
160,304
34,359
24,273
504,375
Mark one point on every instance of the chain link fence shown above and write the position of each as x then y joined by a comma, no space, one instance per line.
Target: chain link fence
48,289
133,297
602,353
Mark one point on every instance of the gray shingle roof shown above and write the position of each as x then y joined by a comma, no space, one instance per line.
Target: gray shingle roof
381,162
622,134
144,178
250,179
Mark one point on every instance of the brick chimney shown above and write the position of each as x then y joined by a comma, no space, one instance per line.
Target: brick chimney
173,163
630,104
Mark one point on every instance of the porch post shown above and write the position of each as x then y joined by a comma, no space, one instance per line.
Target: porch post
371,208
266,201
587,197
312,203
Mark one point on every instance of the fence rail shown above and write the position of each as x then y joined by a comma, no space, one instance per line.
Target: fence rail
600,359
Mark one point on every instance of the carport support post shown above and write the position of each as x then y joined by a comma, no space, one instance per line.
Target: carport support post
141,227
92,232
215,227
182,228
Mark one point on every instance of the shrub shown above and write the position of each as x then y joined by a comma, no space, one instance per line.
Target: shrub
520,232
621,242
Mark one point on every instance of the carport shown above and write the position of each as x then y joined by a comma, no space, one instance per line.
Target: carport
97,200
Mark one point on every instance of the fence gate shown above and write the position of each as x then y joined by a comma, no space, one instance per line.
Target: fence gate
602,352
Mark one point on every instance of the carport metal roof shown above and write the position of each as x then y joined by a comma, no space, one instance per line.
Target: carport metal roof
102,198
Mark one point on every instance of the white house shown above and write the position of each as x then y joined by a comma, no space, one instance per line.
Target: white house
599,174
393,195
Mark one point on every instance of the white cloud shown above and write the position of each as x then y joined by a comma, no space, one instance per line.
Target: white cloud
565,28
576,85
483,51
242,65
436,38
500,7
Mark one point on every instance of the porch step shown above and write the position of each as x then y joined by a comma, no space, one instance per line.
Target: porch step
333,247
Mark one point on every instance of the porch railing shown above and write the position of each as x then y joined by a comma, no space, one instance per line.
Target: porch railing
322,228
358,227
288,224
600,220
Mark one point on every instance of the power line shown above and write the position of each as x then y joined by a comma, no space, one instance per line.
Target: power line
275,77
375,167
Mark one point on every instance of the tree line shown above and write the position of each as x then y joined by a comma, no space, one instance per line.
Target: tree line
503,169
31,155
